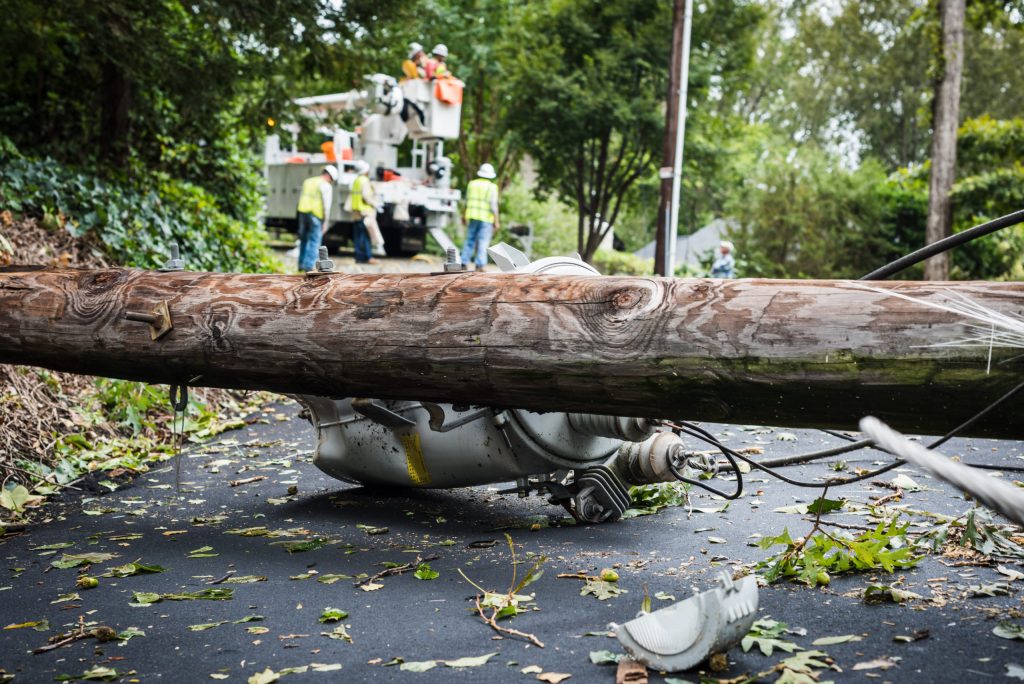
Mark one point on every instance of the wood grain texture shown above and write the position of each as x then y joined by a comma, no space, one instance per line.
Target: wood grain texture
781,352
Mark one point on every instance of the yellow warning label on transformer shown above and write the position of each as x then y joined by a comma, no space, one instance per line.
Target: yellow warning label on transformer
414,459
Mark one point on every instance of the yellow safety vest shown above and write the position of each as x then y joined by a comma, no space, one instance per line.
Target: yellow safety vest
480,194
359,205
311,201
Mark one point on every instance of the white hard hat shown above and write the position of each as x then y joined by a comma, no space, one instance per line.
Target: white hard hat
440,49
726,245
414,49
331,171
362,167
486,171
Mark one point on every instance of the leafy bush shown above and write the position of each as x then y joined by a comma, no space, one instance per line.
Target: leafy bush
135,226
611,262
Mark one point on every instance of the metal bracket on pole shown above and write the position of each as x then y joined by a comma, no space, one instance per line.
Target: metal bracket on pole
159,320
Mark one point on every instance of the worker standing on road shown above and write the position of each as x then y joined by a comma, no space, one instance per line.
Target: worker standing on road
314,213
435,66
414,67
481,215
363,203
725,265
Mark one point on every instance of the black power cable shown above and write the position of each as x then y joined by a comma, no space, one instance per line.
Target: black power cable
705,436
946,244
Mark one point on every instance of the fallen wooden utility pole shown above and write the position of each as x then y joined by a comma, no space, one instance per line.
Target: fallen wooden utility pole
777,352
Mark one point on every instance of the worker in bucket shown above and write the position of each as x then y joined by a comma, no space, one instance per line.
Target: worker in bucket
436,67
415,65
314,213
363,204
725,265
481,215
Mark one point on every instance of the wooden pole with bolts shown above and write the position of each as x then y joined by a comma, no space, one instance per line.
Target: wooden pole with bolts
770,352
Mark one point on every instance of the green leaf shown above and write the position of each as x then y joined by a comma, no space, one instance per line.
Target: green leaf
15,498
880,593
142,598
202,627
329,578
302,546
73,560
425,572
601,590
605,657
247,618
822,506
1009,630
333,615
126,635
97,673
764,634
245,579
37,625
133,568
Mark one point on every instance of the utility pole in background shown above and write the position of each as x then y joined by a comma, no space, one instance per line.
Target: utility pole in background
672,148
945,121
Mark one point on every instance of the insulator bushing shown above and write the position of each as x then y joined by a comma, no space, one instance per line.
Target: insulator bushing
617,427
650,461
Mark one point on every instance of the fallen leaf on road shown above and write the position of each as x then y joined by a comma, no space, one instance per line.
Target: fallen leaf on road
604,657
601,589
1014,670
133,568
73,560
268,676
883,663
553,677
38,625
245,579
339,633
916,635
371,586
878,593
532,669
470,661
906,484
425,572
418,666
828,641
1009,630
333,615
247,480
1009,572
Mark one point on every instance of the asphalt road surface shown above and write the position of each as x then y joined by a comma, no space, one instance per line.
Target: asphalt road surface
674,552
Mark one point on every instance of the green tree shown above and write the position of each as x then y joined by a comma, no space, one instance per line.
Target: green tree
589,84
179,88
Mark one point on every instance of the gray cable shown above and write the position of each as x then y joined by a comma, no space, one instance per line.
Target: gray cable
1000,496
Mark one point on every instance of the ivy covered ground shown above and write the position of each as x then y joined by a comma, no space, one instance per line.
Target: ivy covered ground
262,568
